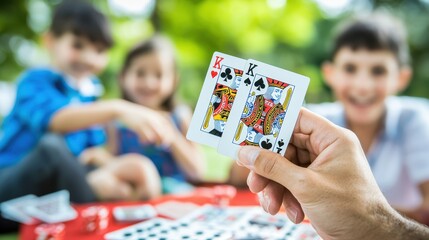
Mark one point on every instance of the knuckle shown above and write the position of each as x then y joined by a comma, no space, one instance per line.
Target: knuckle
350,137
270,166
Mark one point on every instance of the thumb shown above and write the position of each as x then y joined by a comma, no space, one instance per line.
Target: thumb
271,165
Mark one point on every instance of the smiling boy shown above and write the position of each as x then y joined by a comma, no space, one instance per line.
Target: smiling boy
370,64
58,120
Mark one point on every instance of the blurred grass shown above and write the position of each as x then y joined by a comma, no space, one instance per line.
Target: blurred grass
217,166
9,236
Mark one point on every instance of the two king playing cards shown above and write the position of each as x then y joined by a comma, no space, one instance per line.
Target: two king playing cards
247,103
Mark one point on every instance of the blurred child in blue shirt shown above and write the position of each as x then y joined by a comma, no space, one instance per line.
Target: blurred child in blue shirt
370,64
62,99
149,78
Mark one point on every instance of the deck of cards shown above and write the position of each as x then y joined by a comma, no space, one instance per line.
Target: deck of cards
247,103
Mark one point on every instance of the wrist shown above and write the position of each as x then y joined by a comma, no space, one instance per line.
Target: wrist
389,224
178,138
117,106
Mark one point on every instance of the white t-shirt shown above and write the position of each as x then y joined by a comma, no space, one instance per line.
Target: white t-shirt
399,158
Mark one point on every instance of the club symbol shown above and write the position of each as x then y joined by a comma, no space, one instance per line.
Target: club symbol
247,82
266,144
259,84
226,75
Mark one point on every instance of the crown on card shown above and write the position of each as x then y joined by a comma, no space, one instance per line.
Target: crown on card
276,83
238,72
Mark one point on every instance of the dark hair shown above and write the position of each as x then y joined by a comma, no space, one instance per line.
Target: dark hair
375,31
156,43
82,19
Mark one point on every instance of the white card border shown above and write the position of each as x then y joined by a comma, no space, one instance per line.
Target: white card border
300,82
194,133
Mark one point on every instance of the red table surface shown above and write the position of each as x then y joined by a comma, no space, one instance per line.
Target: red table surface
74,229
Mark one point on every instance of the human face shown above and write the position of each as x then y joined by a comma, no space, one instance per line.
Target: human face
276,94
362,80
77,56
150,79
237,81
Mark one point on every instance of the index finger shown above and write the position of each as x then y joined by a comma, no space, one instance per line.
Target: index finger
313,132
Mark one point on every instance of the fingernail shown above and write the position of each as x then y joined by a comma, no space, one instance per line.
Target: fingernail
292,214
264,201
261,199
267,202
249,178
247,156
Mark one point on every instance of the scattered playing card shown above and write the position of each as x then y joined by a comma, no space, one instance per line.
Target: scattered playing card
134,213
217,217
53,208
216,99
211,222
159,228
265,109
175,209
15,209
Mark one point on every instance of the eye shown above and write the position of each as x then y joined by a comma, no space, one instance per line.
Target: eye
158,75
77,44
349,68
378,71
141,73
101,50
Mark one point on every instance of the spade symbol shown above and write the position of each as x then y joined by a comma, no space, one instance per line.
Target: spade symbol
247,82
279,148
226,75
266,144
260,84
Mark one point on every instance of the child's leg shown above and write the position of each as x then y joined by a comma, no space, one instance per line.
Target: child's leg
49,167
129,177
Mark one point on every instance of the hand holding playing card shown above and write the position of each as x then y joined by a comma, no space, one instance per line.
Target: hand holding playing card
336,175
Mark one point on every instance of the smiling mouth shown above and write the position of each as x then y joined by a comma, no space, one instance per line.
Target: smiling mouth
362,102
80,68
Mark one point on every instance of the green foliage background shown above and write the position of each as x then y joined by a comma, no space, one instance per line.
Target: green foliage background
295,36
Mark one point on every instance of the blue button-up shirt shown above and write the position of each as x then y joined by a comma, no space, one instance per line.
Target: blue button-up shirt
40,94
399,157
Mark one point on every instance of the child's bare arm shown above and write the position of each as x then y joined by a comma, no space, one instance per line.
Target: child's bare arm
112,139
76,117
187,154
146,123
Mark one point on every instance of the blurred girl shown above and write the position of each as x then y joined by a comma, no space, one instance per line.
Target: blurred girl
149,78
